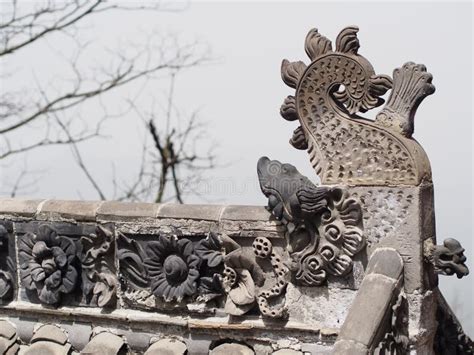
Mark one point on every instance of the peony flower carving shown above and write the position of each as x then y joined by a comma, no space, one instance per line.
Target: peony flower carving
173,268
48,264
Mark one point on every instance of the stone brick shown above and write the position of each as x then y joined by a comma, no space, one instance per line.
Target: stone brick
197,212
80,211
369,309
386,262
287,352
347,347
247,213
126,211
17,207
231,349
79,333
105,343
167,347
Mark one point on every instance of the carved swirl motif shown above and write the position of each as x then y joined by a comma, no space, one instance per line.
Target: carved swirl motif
331,90
325,225
339,239
48,264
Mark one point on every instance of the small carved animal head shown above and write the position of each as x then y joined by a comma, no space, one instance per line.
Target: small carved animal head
449,258
291,196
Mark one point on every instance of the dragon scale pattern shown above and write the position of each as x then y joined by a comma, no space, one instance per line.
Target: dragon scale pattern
344,147
337,138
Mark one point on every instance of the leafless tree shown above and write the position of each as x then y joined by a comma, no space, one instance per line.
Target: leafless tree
55,114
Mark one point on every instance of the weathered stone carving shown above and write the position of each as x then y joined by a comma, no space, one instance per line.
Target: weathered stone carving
48,264
396,340
131,260
271,301
447,259
173,268
331,90
211,251
7,267
411,84
324,224
241,277
99,282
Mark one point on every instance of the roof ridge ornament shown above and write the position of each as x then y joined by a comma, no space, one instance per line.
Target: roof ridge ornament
330,92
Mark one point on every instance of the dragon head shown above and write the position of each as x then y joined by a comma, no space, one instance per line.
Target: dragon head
449,258
291,196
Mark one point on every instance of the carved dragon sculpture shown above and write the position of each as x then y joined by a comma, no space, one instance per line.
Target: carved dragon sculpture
324,224
331,90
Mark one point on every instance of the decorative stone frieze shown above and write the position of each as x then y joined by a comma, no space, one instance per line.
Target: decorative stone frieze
346,267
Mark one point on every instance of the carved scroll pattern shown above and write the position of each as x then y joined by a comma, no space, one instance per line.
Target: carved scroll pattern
325,225
99,281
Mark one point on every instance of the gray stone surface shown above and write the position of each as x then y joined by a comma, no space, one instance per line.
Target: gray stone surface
167,347
349,347
368,314
197,212
105,343
385,262
329,305
246,213
231,349
18,207
81,211
287,352
126,211
8,340
400,218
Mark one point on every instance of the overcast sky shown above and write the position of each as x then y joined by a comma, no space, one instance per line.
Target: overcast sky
239,94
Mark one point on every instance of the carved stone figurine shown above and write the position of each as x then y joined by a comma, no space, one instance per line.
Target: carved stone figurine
448,259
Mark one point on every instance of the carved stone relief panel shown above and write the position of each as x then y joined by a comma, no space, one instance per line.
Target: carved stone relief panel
324,228
62,263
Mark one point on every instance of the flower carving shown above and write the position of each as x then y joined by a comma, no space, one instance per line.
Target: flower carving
173,268
241,276
47,264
